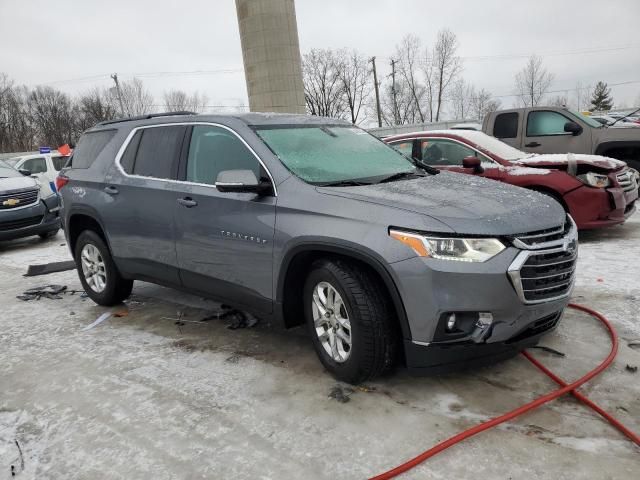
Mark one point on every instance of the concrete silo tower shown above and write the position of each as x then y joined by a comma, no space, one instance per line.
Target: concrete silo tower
271,53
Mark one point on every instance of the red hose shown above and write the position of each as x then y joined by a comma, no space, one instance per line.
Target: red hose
565,388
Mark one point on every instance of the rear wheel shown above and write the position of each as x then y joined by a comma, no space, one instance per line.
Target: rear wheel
350,321
97,271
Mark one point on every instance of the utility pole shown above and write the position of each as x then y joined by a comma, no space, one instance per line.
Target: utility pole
115,79
393,92
375,83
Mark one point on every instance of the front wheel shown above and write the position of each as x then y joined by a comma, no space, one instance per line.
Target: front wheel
97,271
350,320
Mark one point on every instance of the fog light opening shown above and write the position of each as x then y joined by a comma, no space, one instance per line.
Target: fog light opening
451,323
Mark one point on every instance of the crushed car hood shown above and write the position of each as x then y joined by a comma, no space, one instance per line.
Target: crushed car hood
467,204
562,160
12,184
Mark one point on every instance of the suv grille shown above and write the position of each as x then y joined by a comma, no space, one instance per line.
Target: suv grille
539,237
548,275
22,223
545,268
17,200
627,180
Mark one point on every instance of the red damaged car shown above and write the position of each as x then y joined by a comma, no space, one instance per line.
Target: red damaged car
597,191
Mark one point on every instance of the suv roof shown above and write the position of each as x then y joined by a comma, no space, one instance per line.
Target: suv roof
250,119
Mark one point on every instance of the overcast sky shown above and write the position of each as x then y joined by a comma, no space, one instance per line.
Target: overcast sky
62,42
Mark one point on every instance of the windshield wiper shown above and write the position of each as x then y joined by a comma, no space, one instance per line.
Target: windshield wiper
343,183
626,116
400,176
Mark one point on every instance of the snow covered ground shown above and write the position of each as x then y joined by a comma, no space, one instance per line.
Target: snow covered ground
141,397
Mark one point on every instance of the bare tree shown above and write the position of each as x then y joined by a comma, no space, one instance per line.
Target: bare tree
533,82
407,54
559,101
323,87
462,98
52,113
178,100
136,99
446,64
353,70
483,103
398,104
95,106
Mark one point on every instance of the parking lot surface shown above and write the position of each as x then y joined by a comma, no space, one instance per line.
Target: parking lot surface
161,393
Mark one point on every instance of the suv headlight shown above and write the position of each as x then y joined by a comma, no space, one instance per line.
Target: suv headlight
594,180
450,248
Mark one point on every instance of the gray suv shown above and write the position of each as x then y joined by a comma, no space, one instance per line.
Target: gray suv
309,220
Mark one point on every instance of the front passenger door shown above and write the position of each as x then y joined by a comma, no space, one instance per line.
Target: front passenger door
224,240
545,133
446,154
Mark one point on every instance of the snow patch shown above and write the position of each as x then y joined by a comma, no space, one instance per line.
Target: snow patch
520,171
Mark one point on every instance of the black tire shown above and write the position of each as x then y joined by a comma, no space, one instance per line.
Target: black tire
116,288
48,234
373,327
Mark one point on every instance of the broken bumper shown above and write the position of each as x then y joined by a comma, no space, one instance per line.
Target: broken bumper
433,289
594,208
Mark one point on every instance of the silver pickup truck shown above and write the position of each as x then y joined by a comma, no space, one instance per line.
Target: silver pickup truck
560,130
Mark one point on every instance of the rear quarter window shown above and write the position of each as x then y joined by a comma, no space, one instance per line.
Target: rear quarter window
506,125
89,147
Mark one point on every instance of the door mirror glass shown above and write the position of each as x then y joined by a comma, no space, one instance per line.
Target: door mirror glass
573,128
241,181
24,172
473,162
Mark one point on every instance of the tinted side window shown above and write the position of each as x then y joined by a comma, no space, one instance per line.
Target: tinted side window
158,151
214,149
89,147
59,162
506,125
129,155
545,123
444,152
35,165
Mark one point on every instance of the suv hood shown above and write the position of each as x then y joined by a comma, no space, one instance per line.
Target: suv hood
11,184
467,204
562,161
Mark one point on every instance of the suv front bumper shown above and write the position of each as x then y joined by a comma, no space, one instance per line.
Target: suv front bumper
41,217
432,290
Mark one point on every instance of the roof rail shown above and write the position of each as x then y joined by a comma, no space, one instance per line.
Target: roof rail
146,117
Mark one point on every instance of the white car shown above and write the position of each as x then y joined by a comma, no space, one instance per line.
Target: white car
44,166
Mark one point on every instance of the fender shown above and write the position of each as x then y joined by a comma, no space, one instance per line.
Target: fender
87,211
347,249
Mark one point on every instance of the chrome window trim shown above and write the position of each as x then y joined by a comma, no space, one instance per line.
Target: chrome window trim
127,140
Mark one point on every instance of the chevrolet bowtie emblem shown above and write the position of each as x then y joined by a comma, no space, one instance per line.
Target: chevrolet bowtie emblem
11,202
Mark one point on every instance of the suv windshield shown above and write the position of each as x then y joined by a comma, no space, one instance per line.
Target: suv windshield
326,154
7,170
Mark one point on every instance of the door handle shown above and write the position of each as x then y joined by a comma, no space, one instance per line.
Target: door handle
187,202
532,144
111,190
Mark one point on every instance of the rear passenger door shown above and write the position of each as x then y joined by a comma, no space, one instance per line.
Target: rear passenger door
224,240
139,202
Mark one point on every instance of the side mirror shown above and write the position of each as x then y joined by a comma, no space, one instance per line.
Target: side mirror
241,181
573,128
474,163
24,172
